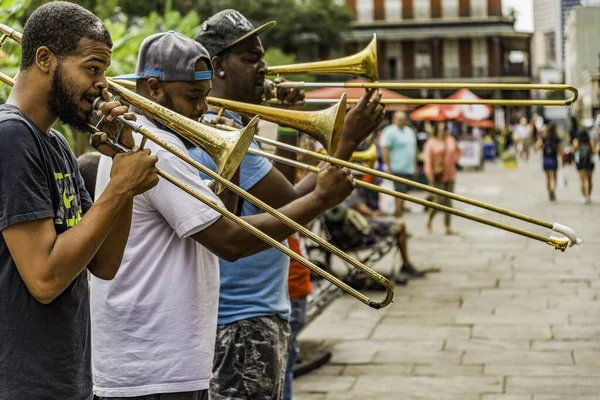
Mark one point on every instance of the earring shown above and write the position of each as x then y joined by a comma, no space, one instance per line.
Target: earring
221,73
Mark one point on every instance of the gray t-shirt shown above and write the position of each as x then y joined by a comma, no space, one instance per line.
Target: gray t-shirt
44,349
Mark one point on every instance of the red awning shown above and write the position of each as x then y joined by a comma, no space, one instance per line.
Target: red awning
357,93
460,112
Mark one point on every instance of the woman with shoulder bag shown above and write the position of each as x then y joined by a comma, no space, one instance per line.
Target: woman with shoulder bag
441,155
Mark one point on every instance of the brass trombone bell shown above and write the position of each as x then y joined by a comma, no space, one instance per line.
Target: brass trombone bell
325,126
363,64
226,148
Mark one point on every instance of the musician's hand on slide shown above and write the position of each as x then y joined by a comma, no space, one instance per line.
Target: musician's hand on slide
362,120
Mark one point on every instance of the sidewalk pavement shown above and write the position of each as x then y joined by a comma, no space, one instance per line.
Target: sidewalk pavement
507,318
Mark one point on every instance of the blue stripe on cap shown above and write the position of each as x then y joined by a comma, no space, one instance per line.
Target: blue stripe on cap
128,77
203,75
153,71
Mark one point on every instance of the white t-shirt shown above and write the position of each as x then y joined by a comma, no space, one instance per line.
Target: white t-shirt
154,324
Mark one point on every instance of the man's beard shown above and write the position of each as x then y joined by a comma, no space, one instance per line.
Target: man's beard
62,103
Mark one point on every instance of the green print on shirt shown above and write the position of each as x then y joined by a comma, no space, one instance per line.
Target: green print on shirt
69,211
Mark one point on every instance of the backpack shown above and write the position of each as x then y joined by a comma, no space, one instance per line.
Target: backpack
584,154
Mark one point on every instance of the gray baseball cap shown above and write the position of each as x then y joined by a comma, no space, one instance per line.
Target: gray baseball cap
226,28
170,57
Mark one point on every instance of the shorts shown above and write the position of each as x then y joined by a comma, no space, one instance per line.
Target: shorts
250,359
401,187
585,166
550,163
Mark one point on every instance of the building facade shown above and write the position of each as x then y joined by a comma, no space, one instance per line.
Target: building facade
582,55
443,41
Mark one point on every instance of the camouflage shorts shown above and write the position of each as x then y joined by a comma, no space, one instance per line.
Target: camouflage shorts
250,359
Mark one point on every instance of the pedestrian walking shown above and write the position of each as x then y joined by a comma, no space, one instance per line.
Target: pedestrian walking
584,149
441,155
550,143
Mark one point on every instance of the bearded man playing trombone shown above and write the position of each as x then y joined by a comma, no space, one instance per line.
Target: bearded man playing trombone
154,325
254,308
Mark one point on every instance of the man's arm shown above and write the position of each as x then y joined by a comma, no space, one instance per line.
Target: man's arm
230,242
48,262
359,123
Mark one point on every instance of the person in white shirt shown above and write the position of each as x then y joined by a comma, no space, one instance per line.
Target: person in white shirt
154,325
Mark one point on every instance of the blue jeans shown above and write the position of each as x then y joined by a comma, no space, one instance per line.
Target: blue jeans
297,320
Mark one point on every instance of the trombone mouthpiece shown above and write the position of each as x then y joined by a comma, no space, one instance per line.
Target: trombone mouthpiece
98,103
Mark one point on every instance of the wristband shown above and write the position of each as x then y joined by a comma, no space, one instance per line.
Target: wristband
286,131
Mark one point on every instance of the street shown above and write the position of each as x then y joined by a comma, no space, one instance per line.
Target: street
507,318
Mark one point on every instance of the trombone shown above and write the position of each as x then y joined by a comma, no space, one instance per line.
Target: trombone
280,116
364,64
174,121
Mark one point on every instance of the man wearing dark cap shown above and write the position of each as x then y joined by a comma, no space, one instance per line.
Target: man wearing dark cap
154,325
253,330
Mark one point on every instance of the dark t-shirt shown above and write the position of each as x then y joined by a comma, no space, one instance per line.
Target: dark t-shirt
551,147
44,349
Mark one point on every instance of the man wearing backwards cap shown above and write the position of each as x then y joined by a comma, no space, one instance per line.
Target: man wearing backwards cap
154,325
253,329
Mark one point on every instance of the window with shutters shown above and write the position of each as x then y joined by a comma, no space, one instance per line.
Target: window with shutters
364,10
422,9
479,8
450,9
451,62
550,46
393,51
423,60
480,57
393,10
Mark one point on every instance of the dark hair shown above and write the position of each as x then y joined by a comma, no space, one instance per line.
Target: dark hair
60,26
88,167
552,135
583,136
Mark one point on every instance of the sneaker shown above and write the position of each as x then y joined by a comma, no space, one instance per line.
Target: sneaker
552,196
410,272
401,280
587,200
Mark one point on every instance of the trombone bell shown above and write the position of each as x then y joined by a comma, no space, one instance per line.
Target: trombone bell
325,125
363,64
226,148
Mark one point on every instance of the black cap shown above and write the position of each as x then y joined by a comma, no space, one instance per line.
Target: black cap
225,29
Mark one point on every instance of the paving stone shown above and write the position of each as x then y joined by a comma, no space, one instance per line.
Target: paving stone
487,345
378,370
564,397
577,332
542,370
587,357
506,397
565,345
429,386
448,370
363,351
394,395
511,332
585,319
419,332
416,357
517,357
517,319
320,383
555,385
